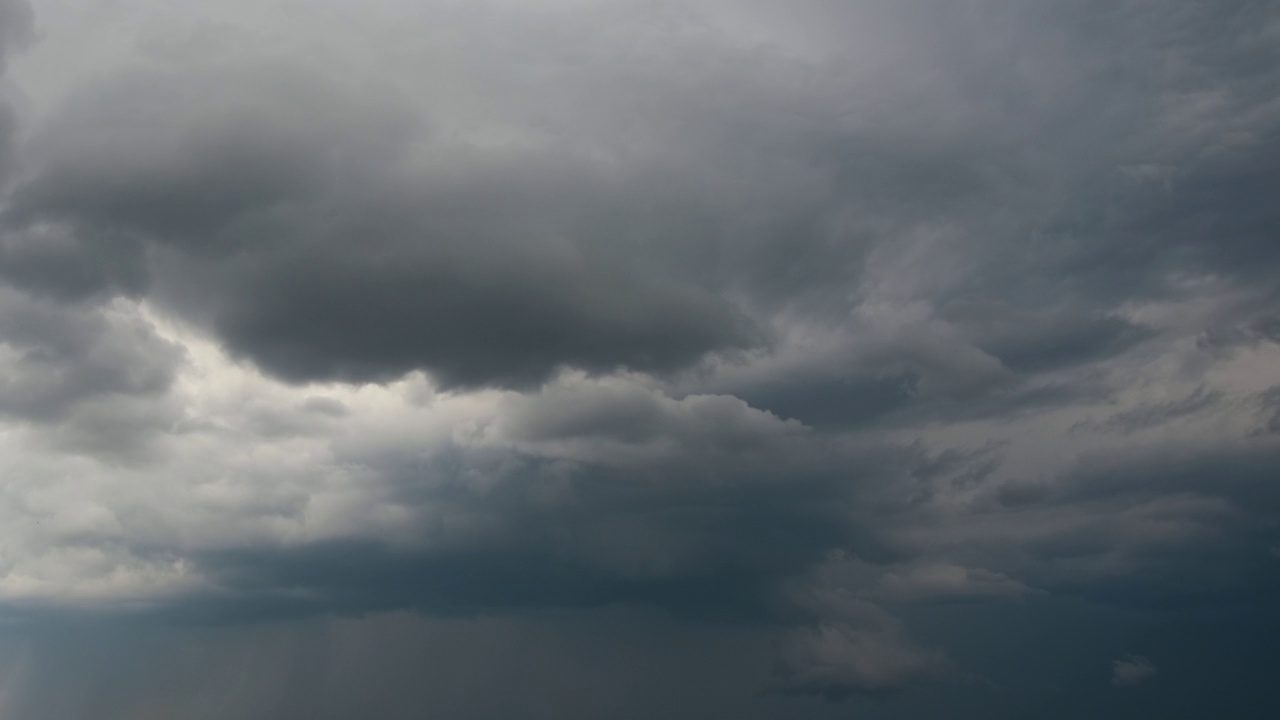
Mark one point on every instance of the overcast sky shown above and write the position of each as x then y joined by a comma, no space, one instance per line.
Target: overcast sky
639,359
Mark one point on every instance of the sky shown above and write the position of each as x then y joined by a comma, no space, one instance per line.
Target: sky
879,359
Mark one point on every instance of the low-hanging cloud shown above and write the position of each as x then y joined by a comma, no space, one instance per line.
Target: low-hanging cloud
863,341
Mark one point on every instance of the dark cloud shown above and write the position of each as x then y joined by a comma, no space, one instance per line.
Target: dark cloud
64,356
286,221
838,401
359,578
312,224
94,379
1131,670
920,357
701,512
855,646
1155,414
1036,342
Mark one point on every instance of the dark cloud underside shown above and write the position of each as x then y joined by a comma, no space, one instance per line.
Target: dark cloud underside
651,360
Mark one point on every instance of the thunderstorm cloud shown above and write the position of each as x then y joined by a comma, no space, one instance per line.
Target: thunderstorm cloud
622,358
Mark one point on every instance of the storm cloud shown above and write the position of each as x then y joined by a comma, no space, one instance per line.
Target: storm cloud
639,359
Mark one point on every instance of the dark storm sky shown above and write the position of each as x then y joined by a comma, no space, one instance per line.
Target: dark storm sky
593,358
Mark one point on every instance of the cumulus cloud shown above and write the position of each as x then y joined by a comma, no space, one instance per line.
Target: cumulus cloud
503,309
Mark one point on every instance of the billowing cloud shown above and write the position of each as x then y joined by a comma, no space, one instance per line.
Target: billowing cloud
862,341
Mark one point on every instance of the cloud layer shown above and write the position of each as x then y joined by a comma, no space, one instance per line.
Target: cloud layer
827,333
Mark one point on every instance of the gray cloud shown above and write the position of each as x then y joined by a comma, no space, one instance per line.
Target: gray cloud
855,646
95,379
16,25
1131,670
285,220
65,355
15,31
1156,414
865,339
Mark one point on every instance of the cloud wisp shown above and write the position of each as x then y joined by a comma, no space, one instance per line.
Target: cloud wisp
1131,670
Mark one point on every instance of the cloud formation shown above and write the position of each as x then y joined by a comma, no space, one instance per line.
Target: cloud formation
861,340
1131,670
